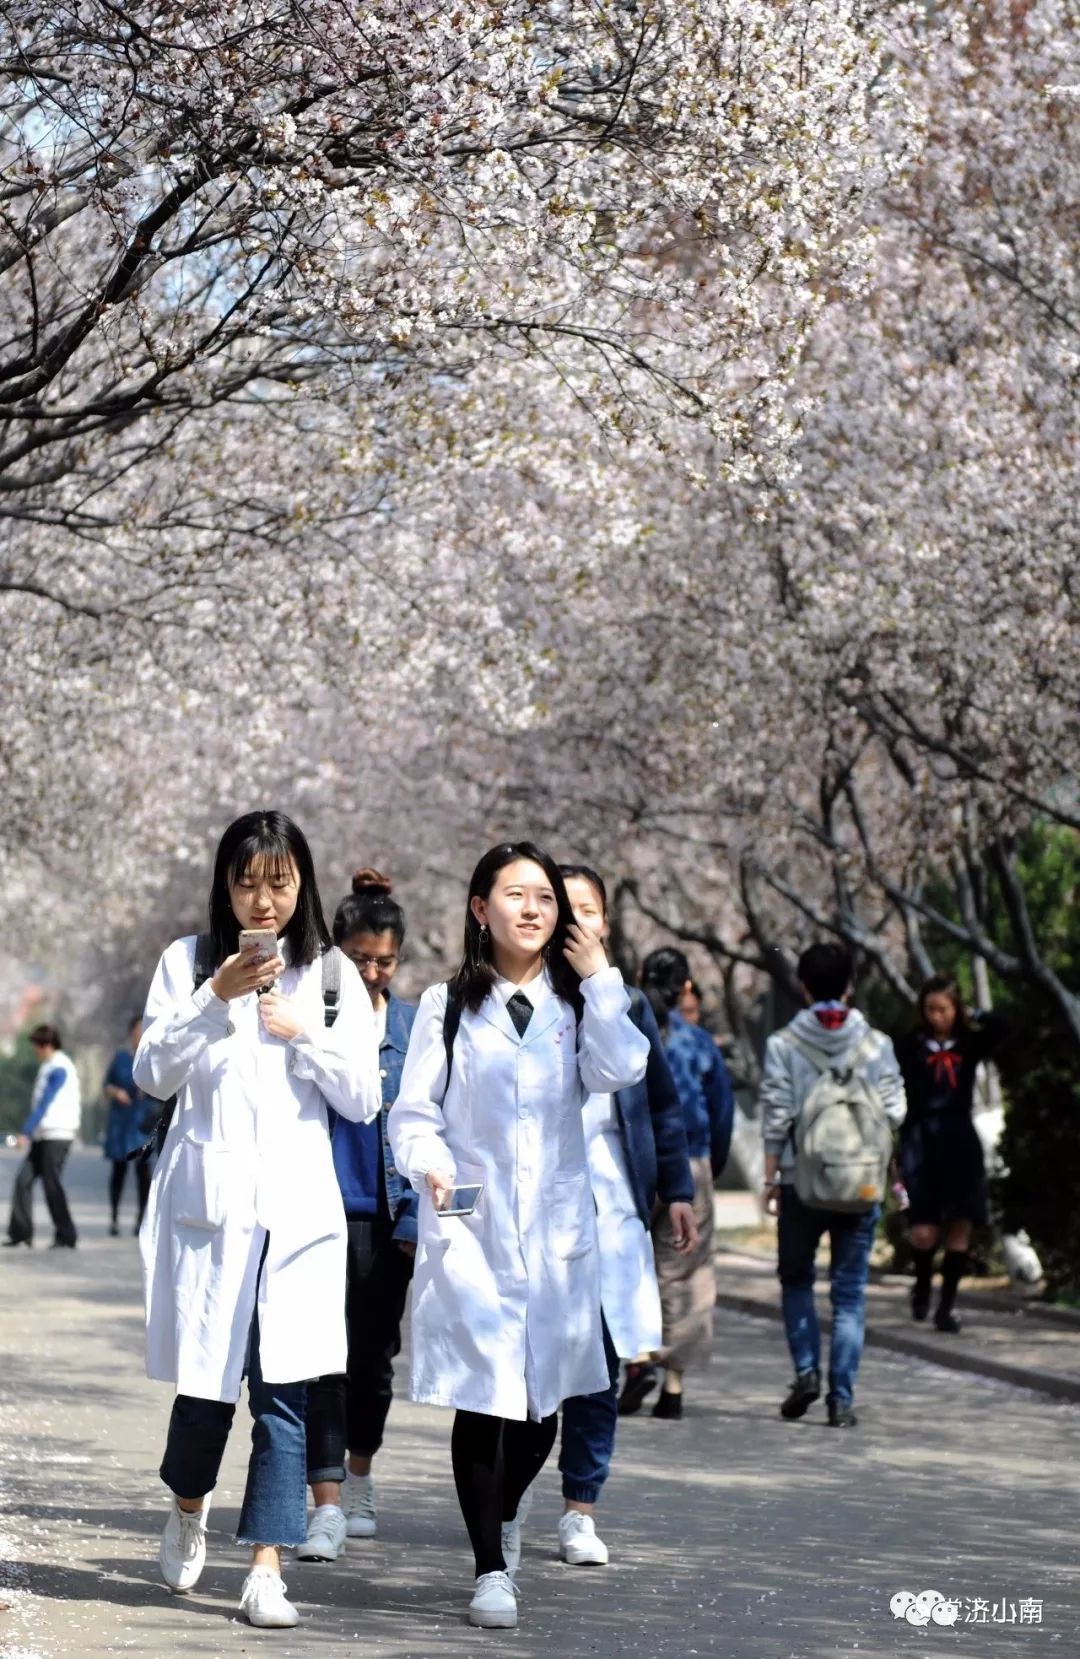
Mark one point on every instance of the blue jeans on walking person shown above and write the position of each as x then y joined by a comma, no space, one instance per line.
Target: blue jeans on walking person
588,1434
275,1499
850,1237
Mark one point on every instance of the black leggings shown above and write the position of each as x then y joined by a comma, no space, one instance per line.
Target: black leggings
140,1170
495,1461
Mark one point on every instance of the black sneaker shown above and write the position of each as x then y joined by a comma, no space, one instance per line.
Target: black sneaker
842,1414
947,1322
804,1391
920,1303
640,1381
668,1405
14,1243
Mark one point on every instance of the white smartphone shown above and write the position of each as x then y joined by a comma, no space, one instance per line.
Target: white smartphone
462,1200
263,938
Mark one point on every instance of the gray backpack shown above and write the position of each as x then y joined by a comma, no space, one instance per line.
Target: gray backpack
843,1138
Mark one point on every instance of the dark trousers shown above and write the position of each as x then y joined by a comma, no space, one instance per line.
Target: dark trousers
350,1411
588,1435
44,1161
140,1174
275,1499
495,1462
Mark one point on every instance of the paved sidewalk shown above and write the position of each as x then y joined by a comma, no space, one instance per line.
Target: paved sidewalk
733,1534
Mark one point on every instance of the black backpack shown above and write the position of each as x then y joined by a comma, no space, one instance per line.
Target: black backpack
205,968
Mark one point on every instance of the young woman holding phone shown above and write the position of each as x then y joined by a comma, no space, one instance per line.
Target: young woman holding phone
506,1300
244,1239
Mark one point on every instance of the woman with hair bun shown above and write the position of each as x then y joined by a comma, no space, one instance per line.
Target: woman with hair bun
941,1156
347,1413
687,1280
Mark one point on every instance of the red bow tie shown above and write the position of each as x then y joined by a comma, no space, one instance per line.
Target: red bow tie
945,1064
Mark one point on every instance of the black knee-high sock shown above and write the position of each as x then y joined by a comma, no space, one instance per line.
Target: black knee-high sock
527,1448
924,1272
476,1449
952,1271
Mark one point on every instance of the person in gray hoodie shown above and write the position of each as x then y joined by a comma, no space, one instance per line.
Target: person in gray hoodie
837,1032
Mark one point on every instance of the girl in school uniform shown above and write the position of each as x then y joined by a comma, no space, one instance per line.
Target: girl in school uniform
506,1300
243,1243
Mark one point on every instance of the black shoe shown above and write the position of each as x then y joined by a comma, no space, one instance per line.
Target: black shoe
920,1303
640,1380
62,1244
13,1243
114,1229
668,1405
947,1322
804,1391
842,1414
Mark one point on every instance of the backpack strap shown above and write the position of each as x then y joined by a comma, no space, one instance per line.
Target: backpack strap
331,984
205,962
451,1022
826,1062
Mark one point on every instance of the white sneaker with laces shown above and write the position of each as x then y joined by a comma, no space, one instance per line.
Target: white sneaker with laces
263,1601
326,1534
358,1503
183,1547
578,1543
494,1603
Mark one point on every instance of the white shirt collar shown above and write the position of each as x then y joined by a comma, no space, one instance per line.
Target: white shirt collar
537,990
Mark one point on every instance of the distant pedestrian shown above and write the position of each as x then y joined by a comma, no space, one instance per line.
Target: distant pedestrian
53,1123
346,1415
126,1128
941,1157
244,1243
687,1277
829,1039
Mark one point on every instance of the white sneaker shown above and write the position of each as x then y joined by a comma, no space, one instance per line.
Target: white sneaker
494,1603
578,1543
511,1545
183,1547
358,1503
326,1535
263,1601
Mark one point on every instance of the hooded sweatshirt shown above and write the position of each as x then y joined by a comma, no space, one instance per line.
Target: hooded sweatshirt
789,1076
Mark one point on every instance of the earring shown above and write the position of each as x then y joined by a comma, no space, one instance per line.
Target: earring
483,934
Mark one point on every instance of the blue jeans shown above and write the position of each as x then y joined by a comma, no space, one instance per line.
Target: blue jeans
275,1499
588,1435
850,1238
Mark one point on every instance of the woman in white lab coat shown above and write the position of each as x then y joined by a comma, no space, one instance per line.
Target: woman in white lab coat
244,1238
506,1300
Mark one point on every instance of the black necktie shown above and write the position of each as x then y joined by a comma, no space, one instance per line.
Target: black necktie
520,1010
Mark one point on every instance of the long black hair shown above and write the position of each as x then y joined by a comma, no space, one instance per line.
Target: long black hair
369,909
663,975
274,837
476,975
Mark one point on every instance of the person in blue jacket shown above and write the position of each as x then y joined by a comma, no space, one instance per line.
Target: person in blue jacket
346,1415
687,1278
131,1116
638,1158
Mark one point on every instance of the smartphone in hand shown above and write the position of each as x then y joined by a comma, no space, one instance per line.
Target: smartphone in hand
263,939
461,1200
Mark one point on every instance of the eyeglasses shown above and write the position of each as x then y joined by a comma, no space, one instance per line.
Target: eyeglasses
383,963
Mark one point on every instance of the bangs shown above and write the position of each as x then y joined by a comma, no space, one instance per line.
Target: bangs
263,855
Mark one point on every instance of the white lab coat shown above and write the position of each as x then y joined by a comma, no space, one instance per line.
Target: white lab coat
506,1302
248,1154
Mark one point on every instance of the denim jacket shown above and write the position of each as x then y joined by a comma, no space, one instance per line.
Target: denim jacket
401,1198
